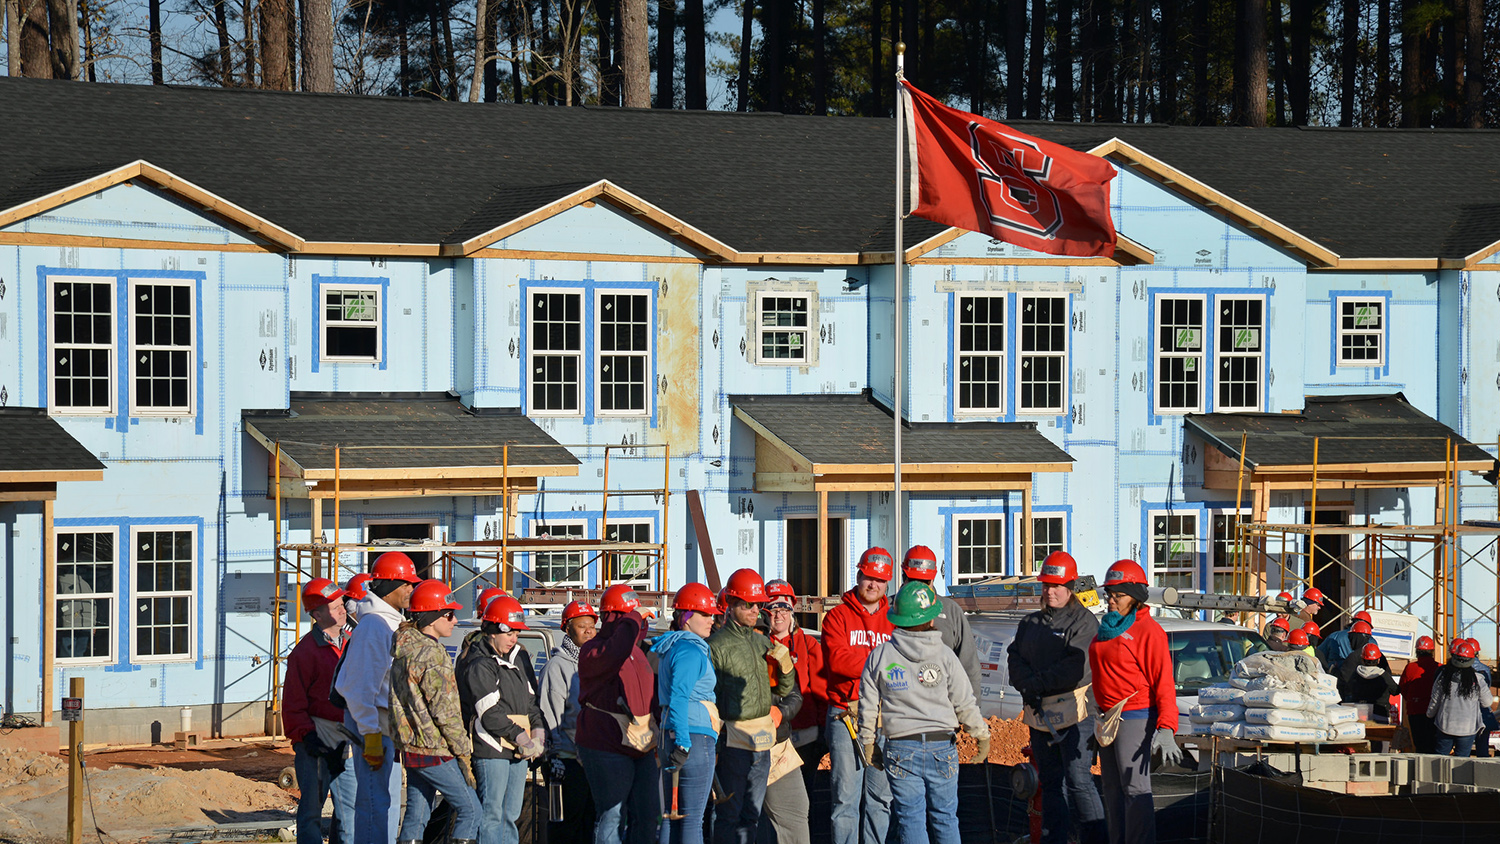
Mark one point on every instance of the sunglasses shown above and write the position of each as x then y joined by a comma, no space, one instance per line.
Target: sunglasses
449,615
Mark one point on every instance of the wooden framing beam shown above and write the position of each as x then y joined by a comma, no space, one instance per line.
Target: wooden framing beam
822,543
936,468
33,491
32,476
1026,530
49,612
407,473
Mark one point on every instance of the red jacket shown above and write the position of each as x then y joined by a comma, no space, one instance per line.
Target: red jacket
812,678
850,632
1416,683
614,676
309,673
1139,661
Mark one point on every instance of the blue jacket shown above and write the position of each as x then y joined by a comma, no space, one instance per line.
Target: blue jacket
1335,649
685,677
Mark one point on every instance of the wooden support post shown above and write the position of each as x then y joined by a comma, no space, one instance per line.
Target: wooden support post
317,535
75,768
822,544
49,611
1028,563
1259,508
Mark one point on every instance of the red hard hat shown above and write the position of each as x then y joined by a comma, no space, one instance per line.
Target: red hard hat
919,563
876,562
578,609
430,595
1474,642
1361,626
1363,616
1313,596
746,585
486,596
1466,648
1282,623
356,586
1298,639
394,565
619,598
780,589
507,611
1285,596
1124,571
1370,651
1059,568
1425,643
320,591
696,597
1312,629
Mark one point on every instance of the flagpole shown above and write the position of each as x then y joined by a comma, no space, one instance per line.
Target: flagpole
899,331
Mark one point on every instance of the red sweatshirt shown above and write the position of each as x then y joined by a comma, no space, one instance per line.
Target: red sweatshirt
850,632
309,673
1139,661
1416,683
812,679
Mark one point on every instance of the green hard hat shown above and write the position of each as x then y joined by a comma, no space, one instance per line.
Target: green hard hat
916,603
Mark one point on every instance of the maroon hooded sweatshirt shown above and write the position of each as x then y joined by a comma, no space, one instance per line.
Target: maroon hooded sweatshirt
613,675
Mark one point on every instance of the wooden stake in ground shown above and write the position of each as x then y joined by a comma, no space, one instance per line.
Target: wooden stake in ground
74,717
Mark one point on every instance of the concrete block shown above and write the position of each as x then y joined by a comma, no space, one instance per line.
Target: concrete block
1431,768
1370,767
1369,787
1461,771
1400,771
1331,768
1487,773
184,740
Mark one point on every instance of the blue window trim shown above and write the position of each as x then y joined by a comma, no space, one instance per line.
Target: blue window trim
1009,511
121,420
589,289
318,282
1334,296
588,517
1063,420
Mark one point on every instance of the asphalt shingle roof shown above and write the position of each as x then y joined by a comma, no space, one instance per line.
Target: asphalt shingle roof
854,429
32,441
403,431
1365,429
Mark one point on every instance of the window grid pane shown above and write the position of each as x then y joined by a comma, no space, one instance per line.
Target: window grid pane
162,354
1361,332
1224,528
1179,354
164,592
627,566
981,548
980,380
85,595
351,323
1047,536
1044,352
82,344
556,340
1174,545
784,327
1241,353
624,344
550,567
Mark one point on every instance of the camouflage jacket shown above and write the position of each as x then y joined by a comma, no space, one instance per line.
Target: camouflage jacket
424,696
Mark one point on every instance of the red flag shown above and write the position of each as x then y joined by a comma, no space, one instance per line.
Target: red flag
983,176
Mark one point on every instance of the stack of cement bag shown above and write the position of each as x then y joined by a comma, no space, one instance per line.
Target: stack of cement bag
1271,696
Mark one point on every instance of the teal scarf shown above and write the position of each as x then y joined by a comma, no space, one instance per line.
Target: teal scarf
1113,624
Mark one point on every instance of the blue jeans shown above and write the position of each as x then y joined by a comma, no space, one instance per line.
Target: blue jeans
924,788
861,794
377,798
1457,745
422,787
694,782
625,796
743,774
1068,791
502,788
315,781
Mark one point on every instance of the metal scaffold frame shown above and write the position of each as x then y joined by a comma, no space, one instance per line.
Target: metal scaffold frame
1377,554
490,561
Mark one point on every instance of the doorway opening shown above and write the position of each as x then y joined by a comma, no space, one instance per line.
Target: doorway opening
1326,561
402,530
802,561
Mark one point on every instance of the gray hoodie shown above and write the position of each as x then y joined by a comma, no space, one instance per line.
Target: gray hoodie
916,684
558,697
953,626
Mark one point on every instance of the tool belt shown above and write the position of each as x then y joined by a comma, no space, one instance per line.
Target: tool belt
1108,725
637,732
755,734
1061,711
784,760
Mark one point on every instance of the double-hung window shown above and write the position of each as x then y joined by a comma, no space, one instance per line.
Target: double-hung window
164,593
559,568
163,317
784,327
82,356
556,354
1241,352
1042,383
1174,549
624,353
85,596
1361,331
979,347
1225,526
351,322
979,547
627,566
1048,534
1179,354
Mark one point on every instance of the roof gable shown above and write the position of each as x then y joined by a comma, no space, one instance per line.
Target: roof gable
135,210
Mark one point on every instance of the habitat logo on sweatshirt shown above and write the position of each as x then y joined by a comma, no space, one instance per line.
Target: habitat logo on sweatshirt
895,677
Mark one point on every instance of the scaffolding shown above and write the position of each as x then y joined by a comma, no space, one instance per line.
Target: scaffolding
1375,555
482,563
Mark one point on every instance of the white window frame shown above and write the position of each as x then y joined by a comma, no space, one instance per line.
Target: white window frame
641,582
646,355
53,346
809,332
579,355
537,529
1003,355
1022,354
1161,356
112,597
191,594
997,517
1020,555
1216,565
1340,332
1195,549
1222,354
324,323
192,348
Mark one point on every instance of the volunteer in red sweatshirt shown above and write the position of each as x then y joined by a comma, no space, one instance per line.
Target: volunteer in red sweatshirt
861,793
1132,670
614,737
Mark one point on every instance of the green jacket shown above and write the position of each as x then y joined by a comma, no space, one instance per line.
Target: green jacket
424,696
742,685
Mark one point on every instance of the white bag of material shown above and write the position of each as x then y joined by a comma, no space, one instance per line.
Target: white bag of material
1285,717
1239,682
1277,732
1328,696
1220,694
1227,729
1212,712
1347,731
1280,699
1336,715
1326,681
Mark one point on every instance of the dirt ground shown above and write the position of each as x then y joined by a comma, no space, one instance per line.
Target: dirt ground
134,793
1006,740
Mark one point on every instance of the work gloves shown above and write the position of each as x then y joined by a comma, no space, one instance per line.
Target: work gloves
873,757
530,745
982,750
679,757
1165,743
782,656
374,751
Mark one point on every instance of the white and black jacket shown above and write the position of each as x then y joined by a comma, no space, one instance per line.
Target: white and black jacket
491,688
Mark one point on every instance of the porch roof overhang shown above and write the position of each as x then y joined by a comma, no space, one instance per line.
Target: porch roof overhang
395,445
36,454
844,443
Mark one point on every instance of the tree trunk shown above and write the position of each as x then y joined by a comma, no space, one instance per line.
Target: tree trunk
1145,67
1383,63
1411,63
820,58
1348,60
1474,65
1250,65
476,79
604,11
403,48
226,51
450,58
1200,62
635,64
1283,69
877,63
666,53
434,50
13,37
292,47
547,58
153,35
247,18
1453,25
517,86
1299,87
694,56
1035,57
773,32
273,41
492,51
35,52
62,20
1126,72
747,31
1106,80
1062,63
1087,36
86,42
1167,68
1015,58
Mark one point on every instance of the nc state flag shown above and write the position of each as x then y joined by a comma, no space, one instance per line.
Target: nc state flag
980,175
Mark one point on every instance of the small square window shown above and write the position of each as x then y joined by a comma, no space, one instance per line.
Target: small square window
1361,332
555,353
85,600
351,323
1174,549
1179,354
784,327
979,546
162,346
631,567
